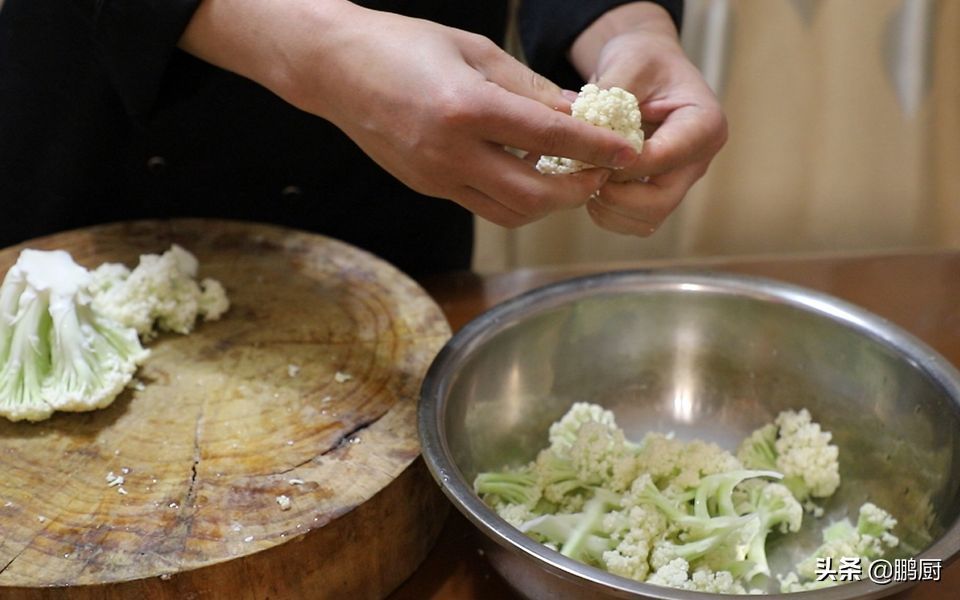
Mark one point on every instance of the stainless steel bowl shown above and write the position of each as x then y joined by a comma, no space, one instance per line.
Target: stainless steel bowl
708,356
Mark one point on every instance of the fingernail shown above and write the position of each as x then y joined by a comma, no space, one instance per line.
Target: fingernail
570,95
624,158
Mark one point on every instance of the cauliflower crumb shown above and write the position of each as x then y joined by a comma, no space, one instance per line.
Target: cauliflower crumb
295,481
293,370
284,502
615,109
342,377
121,491
114,480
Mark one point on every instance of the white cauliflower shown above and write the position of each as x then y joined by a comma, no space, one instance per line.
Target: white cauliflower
615,109
601,451
638,528
56,352
676,574
160,294
678,465
797,447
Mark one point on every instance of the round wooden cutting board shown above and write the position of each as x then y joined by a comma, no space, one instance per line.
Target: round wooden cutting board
304,392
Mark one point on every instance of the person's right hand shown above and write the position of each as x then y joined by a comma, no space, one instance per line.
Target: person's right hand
434,106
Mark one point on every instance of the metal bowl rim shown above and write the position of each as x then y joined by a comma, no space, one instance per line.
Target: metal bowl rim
439,459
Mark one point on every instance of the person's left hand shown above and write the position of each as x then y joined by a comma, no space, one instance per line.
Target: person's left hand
635,47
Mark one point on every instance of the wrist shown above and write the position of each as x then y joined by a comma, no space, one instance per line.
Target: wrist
647,18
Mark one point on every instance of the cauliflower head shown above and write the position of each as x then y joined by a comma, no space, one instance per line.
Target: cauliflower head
615,109
56,352
160,294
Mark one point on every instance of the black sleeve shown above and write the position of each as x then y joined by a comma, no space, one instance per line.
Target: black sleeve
137,38
549,27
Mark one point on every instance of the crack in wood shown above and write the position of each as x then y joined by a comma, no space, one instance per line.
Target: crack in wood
15,557
339,443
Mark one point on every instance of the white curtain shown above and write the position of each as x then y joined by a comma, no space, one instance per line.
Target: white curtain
844,135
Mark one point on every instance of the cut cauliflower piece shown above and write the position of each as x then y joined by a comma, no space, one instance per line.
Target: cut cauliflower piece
56,352
867,541
797,447
563,433
160,294
615,109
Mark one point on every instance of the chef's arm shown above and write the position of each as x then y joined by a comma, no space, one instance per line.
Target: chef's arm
433,105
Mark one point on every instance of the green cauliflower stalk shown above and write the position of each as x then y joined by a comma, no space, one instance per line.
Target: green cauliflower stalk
510,487
57,353
776,509
578,535
712,532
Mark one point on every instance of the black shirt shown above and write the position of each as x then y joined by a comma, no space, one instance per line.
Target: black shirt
103,119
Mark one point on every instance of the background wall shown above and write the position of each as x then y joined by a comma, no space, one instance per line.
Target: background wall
844,135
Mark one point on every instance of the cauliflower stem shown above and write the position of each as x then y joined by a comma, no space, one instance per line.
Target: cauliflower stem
57,352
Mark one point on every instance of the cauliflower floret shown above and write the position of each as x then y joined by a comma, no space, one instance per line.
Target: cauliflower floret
563,433
600,451
629,558
161,294
797,447
676,574
690,512
516,514
615,109
638,528
56,352
677,466
868,540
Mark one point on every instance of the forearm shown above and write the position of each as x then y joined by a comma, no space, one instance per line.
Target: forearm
637,17
266,41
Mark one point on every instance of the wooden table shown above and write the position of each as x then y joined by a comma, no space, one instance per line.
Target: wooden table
919,291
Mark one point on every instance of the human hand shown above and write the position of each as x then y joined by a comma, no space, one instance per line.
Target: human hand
434,106
635,47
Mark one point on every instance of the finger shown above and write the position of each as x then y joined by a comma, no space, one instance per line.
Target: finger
487,208
689,134
512,75
512,120
650,202
617,223
512,182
